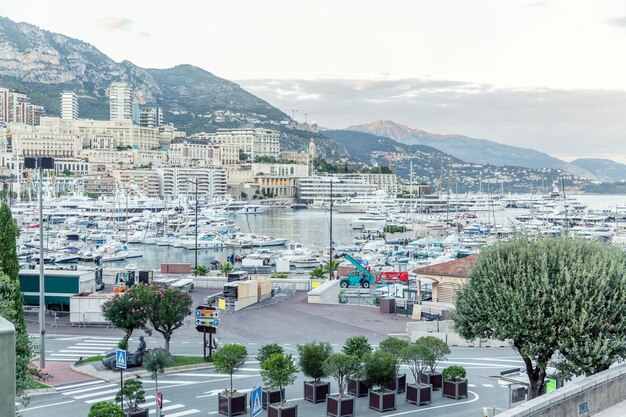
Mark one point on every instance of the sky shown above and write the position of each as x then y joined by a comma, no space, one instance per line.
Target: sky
535,73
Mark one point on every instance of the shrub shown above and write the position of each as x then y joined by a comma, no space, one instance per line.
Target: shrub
133,394
105,409
342,367
394,346
453,373
268,350
379,368
356,346
437,348
312,358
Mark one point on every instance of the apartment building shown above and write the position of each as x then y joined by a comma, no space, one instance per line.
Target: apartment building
150,117
106,160
69,105
120,101
316,189
254,142
175,181
144,180
190,152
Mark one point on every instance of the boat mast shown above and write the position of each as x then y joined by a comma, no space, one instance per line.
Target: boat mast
330,251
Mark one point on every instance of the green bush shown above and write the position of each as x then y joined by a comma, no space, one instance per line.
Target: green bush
105,409
394,346
279,371
312,358
356,346
134,395
437,348
379,368
453,373
268,350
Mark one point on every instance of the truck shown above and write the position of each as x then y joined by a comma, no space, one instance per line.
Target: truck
59,286
363,277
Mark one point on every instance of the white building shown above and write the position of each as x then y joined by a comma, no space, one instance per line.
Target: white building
316,189
175,181
254,142
189,152
69,105
120,101
150,117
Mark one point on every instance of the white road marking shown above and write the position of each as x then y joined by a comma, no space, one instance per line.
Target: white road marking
82,384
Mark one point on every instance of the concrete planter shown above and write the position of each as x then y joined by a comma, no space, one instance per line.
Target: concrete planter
382,400
138,413
340,407
433,378
419,395
232,405
316,392
271,396
455,389
282,410
398,384
358,387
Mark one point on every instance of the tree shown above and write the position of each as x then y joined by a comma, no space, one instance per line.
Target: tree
170,306
226,268
327,269
317,273
416,356
134,395
279,371
242,155
437,351
342,367
129,311
200,271
155,362
394,346
229,358
105,409
312,358
356,346
549,295
268,350
379,368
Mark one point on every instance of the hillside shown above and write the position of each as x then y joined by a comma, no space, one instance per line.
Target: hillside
42,64
605,169
469,149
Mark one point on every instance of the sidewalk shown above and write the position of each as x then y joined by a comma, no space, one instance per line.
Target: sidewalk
63,373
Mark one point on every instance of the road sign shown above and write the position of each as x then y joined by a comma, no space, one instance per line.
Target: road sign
120,358
255,401
207,321
208,313
159,399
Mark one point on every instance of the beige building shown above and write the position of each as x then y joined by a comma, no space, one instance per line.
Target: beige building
267,180
254,142
190,152
98,183
28,141
107,160
447,278
120,101
145,180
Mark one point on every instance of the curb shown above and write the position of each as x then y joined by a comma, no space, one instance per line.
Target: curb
114,376
38,392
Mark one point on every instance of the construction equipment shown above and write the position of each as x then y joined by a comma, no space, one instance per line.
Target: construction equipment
123,281
402,276
361,277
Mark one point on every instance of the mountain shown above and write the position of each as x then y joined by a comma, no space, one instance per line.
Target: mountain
42,64
446,172
470,149
605,169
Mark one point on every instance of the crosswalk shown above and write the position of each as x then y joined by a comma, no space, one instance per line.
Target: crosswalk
85,348
92,392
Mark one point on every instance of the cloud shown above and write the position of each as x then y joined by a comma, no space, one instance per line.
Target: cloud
574,122
111,22
618,21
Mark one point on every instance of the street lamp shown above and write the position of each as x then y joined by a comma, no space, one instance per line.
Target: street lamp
41,163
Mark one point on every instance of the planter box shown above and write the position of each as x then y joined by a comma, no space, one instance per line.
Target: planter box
419,395
271,396
433,378
340,407
398,384
316,392
382,401
233,405
282,410
138,413
455,389
388,305
358,387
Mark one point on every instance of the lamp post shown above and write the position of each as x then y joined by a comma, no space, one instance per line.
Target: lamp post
41,163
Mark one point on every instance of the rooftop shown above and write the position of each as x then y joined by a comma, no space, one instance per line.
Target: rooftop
457,268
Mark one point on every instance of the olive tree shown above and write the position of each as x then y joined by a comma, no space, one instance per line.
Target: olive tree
548,296
228,359
278,371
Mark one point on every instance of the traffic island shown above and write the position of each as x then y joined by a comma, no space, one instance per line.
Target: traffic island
358,387
233,404
271,396
419,395
282,410
340,406
382,400
316,391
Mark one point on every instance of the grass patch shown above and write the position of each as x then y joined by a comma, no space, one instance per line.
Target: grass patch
38,385
96,358
186,360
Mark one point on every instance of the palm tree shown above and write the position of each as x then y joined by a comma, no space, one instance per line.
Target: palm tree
200,271
317,273
333,267
226,268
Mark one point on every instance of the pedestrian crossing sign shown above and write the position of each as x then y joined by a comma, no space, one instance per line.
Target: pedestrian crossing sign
120,358
255,401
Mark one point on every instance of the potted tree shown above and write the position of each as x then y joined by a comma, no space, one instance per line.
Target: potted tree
155,363
357,346
279,370
415,356
438,350
395,346
341,367
269,395
454,382
379,367
134,395
228,359
312,358
105,409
